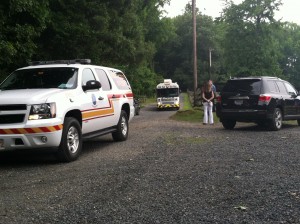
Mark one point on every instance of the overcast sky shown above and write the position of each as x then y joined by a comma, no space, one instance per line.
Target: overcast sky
289,11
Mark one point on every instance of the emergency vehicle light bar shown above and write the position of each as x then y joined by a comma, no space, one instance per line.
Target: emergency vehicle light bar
74,61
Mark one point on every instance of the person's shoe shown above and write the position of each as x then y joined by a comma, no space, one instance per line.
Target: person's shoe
204,123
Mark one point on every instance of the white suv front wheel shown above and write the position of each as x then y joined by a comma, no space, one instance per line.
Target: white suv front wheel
71,142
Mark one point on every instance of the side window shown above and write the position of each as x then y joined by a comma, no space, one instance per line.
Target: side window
281,87
120,80
272,86
290,89
102,76
87,75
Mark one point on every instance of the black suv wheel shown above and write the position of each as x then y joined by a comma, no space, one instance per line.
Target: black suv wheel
276,121
229,124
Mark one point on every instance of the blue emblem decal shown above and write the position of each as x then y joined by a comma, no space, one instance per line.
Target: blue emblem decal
94,100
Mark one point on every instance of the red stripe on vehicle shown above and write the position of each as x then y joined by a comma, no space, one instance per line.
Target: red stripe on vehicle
15,131
45,129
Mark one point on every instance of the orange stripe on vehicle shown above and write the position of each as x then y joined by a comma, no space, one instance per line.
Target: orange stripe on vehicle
37,130
97,113
51,129
8,131
23,131
31,130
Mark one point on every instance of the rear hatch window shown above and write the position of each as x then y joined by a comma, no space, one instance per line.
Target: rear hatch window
244,86
241,94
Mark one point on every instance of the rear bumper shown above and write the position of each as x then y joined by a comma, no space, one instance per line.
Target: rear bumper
248,115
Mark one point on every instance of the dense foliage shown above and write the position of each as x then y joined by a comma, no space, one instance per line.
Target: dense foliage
133,35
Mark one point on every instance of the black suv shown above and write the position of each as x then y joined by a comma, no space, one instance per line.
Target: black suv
266,101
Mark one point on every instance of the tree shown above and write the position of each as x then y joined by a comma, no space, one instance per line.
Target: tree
250,45
174,60
123,34
22,21
289,40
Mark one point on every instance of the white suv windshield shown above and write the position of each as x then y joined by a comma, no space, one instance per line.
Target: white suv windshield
40,78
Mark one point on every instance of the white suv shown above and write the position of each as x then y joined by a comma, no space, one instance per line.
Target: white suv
57,104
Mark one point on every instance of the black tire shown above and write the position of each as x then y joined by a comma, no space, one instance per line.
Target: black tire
229,124
122,128
298,121
71,141
275,123
137,111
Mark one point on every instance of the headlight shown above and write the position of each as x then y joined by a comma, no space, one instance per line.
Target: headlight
42,111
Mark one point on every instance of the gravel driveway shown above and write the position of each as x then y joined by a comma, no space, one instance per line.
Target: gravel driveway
166,172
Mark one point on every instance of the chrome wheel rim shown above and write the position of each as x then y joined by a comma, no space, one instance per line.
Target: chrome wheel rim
73,140
278,119
124,127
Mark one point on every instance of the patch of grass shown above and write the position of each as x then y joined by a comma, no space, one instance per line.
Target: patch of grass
147,100
194,116
150,100
186,102
293,122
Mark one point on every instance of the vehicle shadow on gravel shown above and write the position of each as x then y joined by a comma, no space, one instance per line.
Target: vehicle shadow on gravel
20,158
96,144
257,128
38,157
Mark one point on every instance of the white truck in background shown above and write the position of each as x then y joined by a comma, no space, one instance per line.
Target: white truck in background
167,94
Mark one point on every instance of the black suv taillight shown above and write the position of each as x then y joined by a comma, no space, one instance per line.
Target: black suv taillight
219,99
264,99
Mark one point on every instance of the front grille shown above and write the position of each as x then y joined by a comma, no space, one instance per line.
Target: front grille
167,99
13,107
11,119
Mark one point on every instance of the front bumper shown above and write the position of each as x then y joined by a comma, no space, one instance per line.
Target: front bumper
42,136
168,106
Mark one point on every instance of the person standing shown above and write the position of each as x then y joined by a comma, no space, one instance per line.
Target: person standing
214,89
208,96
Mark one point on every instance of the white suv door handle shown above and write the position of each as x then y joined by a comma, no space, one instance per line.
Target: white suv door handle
100,98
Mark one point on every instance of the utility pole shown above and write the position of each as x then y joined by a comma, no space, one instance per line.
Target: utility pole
194,49
210,50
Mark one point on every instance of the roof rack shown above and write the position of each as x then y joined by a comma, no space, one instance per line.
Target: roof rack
256,77
74,61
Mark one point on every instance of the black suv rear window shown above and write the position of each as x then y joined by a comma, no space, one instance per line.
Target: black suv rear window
243,86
